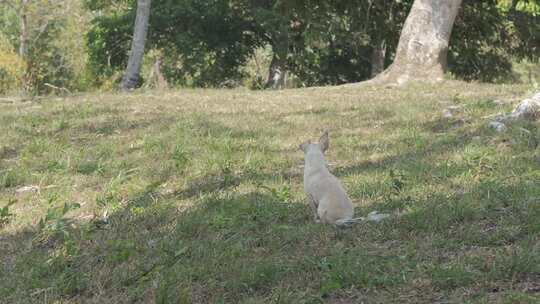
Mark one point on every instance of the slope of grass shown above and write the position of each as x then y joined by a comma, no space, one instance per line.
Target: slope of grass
195,196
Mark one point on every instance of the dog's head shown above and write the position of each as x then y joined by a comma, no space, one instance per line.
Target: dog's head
322,145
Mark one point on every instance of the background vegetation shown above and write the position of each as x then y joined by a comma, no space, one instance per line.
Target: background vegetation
83,45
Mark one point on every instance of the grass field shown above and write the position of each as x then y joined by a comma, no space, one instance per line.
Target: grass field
195,196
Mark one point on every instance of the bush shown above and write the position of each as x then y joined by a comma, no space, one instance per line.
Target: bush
11,68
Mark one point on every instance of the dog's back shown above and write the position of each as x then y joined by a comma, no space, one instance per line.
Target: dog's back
333,203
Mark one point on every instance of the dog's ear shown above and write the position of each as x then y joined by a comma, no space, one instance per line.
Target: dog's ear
324,141
304,145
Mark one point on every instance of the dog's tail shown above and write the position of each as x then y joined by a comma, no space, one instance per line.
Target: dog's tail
349,222
373,216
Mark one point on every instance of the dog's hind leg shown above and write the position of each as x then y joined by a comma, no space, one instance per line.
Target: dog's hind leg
313,204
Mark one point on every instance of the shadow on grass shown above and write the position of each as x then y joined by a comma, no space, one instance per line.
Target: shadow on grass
412,156
226,181
237,239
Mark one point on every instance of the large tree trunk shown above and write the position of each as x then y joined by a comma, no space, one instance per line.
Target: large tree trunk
131,77
423,45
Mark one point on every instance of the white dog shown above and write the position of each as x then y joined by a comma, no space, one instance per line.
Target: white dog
327,197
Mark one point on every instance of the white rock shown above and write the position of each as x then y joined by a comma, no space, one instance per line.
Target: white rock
527,109
498,126
447,113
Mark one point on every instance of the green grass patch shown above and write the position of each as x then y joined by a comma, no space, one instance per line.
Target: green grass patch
196,196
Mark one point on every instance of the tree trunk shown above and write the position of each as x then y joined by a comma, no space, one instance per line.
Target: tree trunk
423,45
23,35
277,73
23,45
131,77
377,58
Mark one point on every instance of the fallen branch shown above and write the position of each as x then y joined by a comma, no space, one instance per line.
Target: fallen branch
7,100
57,88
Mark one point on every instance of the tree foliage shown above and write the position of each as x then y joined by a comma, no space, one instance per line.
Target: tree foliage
209,43
55,52
337,38
12,67
488,38
203,43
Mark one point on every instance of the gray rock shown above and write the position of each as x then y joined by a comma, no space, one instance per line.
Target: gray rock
498,126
